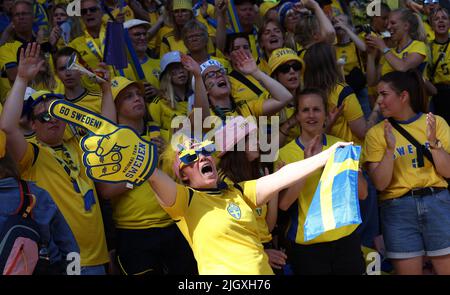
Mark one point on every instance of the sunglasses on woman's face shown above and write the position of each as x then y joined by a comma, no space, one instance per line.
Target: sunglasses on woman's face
43,117
285,68
190,156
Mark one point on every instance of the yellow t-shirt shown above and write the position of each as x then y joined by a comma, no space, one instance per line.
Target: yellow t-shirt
8,59
241,91
90,100
442,73
151,70
293,152
413,47
260,214
350,54
138,208
222,227
352,111
90,49
162,113
406,174
40,164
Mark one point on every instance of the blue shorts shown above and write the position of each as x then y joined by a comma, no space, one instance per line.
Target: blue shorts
414,226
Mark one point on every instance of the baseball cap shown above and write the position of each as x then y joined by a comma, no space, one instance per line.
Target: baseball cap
182,4
280,56
36,97
266,6
135,22
119,83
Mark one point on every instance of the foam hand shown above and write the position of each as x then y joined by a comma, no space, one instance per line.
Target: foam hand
111,153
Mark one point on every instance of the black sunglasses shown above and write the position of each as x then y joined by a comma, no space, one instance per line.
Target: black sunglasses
43,117
92,9
285,68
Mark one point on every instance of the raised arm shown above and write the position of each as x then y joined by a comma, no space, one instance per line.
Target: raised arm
290,174
164,187
28,68
327,32
280,96
221,30
411,61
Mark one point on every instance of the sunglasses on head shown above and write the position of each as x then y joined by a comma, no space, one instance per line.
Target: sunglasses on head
92,9
285,68
189,156
43,117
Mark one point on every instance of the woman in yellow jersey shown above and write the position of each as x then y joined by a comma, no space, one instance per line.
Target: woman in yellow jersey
414,200
219,221
285,67
334,252
322,72
196,38
271,37
147,239
216,98
175,96
179,14
410,51
289,17
243,87
313,27
239,163
349,50
440,63
60,37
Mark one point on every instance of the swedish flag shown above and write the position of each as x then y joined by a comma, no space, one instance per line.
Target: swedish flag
335,202
234,19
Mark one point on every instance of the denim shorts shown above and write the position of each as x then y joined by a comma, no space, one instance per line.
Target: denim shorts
414,226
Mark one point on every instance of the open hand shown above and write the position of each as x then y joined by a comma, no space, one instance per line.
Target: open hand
30,62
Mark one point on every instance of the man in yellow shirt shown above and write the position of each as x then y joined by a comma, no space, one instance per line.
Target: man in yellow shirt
56,165
149,67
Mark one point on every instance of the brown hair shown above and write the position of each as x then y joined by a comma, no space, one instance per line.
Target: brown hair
321,69
235,166
411,82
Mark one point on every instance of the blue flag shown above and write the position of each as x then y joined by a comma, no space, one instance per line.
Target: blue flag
335,202
115,53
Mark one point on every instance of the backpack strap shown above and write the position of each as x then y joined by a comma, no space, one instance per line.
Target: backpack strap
241,78
26,203
420,148
346,91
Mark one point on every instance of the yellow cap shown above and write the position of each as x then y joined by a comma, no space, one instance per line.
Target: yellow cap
36,97
280,56
266,6
119,83
182,4
2,143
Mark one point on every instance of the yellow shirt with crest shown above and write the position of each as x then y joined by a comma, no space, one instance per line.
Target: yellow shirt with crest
151,70
138,208
222,228
407,175
293,152
40,165
441,74
413,47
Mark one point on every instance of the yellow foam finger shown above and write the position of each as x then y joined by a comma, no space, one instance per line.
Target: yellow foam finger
82,117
